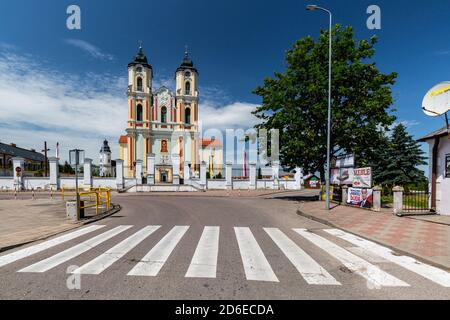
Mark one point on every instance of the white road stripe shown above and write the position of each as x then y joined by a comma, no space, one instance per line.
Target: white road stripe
26,252
104,261
204,262
310,270
360,266
152,263
57,259
256,266
434,274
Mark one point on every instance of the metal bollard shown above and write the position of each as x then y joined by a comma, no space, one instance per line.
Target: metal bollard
33,195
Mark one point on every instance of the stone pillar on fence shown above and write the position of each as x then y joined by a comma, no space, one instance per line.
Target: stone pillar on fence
187,172
377,199
87,173
176,169
138,172
54,173
119,174
344,194
276,174
229,175
253,176
203,174
151,169
398,200
298,178
18,171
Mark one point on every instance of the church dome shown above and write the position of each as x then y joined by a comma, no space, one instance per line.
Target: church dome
105,147
187,63
141,59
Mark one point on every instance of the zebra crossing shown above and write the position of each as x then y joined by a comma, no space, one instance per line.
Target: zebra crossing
254,261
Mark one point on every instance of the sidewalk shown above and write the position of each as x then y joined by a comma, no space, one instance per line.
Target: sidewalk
415,236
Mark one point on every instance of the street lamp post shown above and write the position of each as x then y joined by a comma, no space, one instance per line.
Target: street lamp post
327,175
76,157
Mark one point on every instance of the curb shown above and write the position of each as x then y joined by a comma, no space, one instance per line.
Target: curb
114,210
402,252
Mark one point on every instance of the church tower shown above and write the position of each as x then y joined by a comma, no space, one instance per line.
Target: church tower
187,93
140,101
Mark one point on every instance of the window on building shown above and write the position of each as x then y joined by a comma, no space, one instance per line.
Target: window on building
447,166
164,115
139,84
188,88
187,115
139,113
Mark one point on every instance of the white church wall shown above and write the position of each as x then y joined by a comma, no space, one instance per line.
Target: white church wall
241,184
264,184
6,183
216,184
30,183
105,183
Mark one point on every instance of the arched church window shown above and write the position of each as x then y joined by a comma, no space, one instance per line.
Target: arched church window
188,88
139,84
139,113
187,115
164,115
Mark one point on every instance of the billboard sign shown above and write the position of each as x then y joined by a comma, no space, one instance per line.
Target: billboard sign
342,176
362,178
362,198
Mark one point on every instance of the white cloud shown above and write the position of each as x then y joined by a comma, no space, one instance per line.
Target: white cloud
38,104
89,48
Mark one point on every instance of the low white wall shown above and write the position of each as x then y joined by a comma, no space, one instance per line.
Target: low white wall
104,183
288,185
241,184
30,183
265,184
216,184
6,183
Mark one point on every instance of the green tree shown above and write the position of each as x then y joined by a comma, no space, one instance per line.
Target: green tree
398,161
296,101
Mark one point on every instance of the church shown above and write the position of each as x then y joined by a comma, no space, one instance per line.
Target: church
161,122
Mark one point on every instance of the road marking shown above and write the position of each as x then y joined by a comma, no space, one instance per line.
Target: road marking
152,263
50,263
204,262
434,274
360,266
310,270
256,266
26,252
104,261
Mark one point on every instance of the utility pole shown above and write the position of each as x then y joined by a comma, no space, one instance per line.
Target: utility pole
46,158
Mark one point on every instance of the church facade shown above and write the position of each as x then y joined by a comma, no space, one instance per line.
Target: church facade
160,122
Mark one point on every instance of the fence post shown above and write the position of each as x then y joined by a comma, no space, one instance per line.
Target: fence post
229,175
377,199
203,174
298,178
253,177
187,172
276,174
138,172
344,194
176,169
87,180
18,176
119,174
398,200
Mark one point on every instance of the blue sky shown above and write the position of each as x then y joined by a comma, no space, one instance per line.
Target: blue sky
70,85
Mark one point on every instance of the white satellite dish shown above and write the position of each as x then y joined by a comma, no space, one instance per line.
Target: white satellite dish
437,100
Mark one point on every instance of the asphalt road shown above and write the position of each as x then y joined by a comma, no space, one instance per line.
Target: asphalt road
249,250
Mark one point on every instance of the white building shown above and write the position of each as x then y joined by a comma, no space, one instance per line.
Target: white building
439,143
105,160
